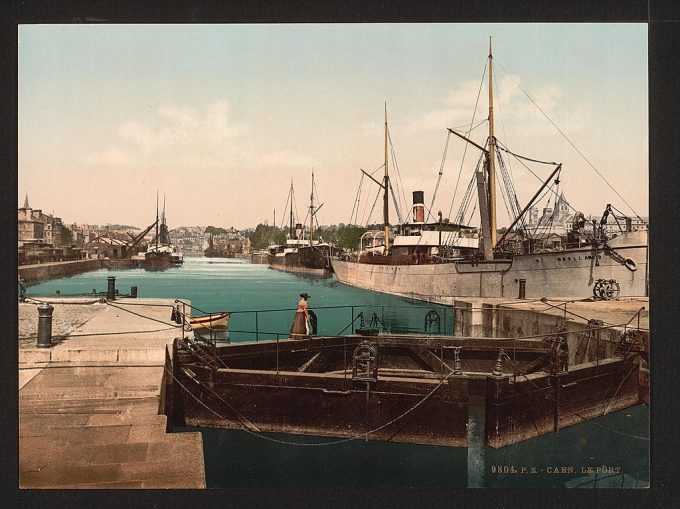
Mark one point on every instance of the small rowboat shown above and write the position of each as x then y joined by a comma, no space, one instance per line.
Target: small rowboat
215,321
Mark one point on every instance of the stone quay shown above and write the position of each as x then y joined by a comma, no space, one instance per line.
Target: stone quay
93,411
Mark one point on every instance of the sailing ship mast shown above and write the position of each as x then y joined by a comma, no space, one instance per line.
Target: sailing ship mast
486,183
492,156
311,211
290,195
386,208
156,220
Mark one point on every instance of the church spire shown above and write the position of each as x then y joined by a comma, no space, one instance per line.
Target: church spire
26,205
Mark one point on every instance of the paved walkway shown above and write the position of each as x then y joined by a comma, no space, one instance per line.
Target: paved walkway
90,407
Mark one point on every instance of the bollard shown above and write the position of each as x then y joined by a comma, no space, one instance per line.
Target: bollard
522,288
45,325
22,290
111,293
498,369
133,292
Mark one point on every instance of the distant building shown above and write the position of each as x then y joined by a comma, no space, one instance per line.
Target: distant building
560,218
31,225
553,220
43,237
106,246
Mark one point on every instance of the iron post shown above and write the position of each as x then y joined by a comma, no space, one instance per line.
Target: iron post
133,292
457,367
522,288
45,325
111,292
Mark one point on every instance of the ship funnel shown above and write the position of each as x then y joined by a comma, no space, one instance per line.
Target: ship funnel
298,231
418,207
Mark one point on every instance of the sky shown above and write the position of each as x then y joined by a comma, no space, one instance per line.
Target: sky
220,118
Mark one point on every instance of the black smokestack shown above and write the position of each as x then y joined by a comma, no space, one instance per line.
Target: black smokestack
418,207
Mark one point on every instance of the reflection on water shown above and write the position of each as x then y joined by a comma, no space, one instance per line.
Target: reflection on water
238,459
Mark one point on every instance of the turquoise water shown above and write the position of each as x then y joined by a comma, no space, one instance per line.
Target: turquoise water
238,286
238,459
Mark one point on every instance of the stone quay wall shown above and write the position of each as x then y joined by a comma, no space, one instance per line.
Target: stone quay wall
42,271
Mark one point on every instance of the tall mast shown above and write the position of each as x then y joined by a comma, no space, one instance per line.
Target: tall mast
291,209
386,208
156,220
164,227
492,156
311,211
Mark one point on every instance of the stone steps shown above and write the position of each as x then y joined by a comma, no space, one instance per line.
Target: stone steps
158,462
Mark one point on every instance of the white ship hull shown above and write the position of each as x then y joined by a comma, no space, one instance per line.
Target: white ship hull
559,274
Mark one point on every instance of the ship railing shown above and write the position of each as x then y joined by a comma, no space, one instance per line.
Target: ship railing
353,312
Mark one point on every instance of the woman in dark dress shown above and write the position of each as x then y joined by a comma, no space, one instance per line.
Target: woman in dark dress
300,328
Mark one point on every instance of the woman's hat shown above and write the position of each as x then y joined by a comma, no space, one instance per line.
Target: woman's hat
304,296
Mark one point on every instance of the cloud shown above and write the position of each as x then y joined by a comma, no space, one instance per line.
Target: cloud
109,156
180,126
284,158
191,139
514,112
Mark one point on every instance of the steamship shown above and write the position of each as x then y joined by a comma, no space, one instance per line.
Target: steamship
161,254
301,253
434,260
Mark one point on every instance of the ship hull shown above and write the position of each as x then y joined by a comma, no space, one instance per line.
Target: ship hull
313,261
561,274
157,261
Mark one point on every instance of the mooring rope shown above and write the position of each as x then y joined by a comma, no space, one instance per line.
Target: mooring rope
320,444
69,335
143,316
26,299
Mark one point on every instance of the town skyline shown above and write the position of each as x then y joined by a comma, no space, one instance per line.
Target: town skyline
220,118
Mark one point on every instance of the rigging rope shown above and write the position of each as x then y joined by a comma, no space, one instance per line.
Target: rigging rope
573,146
396,205
441,172
465,203
356,201
519,158
505,149
460,170
373,207
394,163
500,114
283,220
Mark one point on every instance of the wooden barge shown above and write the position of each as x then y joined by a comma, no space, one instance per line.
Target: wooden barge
405,388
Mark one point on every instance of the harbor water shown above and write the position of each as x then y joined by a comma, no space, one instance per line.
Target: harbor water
611,451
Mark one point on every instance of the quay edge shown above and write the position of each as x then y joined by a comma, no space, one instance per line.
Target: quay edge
94,412
41,271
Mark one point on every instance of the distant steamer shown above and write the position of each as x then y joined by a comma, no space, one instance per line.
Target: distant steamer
301,253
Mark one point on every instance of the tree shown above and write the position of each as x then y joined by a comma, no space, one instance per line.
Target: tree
349,236
215,230
264,235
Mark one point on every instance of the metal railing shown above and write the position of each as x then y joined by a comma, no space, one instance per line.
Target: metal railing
354,313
